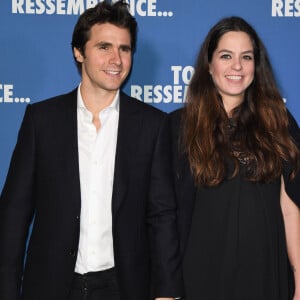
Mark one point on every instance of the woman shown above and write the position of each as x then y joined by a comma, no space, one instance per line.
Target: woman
236,164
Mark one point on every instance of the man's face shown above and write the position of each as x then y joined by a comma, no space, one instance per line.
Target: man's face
107,58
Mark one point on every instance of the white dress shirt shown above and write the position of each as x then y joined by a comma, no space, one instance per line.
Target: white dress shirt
96,167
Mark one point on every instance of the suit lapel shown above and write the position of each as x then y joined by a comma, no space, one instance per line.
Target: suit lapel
69,134
128,133
130,122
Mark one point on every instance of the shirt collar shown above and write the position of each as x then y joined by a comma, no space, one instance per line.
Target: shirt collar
115,104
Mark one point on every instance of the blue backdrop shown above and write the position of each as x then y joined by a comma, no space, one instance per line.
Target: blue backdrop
36,60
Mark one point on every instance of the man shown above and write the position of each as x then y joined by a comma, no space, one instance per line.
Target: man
91,168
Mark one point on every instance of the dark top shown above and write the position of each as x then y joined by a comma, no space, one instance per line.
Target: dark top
232,235
236,248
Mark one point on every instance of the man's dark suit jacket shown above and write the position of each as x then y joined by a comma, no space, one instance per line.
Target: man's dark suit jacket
43,182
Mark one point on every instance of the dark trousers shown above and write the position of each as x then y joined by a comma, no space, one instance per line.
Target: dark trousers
100,285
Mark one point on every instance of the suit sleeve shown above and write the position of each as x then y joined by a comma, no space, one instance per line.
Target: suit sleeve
166,271
292,186
16,210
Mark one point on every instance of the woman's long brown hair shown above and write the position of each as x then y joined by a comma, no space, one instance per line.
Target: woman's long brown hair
261,120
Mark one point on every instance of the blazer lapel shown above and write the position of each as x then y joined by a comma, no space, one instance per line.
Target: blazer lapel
128,133
130,121
69,134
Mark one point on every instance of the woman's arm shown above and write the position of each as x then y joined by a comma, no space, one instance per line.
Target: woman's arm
291,216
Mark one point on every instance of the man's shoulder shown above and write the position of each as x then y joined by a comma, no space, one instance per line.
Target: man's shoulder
55,101
136,104
176,114
176,118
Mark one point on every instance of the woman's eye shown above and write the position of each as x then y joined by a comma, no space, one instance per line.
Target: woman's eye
225,56
247,57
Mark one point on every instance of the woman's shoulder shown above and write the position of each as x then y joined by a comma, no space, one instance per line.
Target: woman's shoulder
294,129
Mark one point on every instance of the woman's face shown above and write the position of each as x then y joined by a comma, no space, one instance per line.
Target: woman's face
232,67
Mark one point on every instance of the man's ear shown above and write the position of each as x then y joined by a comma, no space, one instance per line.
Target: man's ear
78,55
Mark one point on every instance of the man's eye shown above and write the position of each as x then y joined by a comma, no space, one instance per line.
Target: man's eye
126,49
103,46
